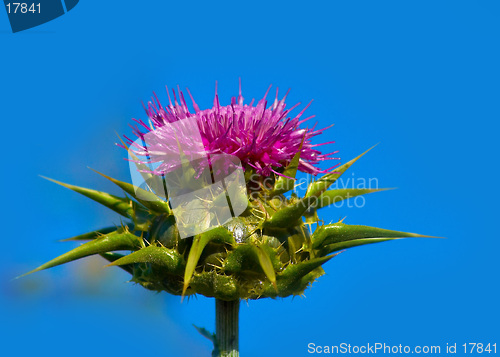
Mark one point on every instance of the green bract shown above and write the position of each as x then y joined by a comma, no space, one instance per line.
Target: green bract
268,251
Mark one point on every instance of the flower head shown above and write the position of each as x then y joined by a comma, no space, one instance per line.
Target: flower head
263,137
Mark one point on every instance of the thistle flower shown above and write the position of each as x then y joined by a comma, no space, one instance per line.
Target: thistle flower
263,138
268,251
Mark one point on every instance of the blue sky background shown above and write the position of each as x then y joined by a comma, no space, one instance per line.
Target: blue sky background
420,78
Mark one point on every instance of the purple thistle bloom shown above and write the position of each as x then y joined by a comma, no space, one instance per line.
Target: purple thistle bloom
264,138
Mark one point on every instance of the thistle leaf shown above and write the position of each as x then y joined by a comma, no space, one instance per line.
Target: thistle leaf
205,333
146,198
120,205
107,243
168,259
217,235
316,188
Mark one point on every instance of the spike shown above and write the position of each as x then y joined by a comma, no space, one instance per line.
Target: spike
165,258
341,232
107,243
92,235
146,198
120,205
332,196
286,181
219,235
318,187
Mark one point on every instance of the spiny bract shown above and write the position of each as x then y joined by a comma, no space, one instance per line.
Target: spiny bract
268,251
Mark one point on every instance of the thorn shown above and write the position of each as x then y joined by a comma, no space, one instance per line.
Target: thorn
121,140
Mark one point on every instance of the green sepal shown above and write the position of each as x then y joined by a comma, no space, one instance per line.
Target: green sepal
120,205
211,284
335,247
316,188
142,217
111,257
217,235
294,272
92,235
308,279
241,260
168,259
298,241
164,230
341,232
296,277
286,182
107,243
289,215
332,196
146,198
251,259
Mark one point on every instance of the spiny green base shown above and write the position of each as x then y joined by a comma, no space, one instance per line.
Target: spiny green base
268,251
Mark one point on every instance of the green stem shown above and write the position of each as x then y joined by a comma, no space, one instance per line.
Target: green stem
226,327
